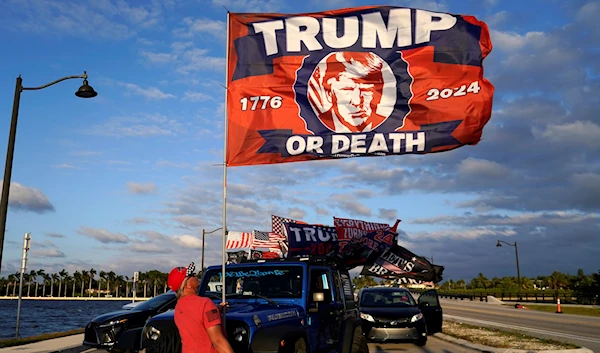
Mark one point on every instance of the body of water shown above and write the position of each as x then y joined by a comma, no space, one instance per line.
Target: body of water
47,316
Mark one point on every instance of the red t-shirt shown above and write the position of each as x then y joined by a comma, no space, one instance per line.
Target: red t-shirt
193,316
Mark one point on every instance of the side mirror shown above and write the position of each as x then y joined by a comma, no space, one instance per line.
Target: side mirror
318,297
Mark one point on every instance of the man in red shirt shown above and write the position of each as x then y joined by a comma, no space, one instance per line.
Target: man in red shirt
197,318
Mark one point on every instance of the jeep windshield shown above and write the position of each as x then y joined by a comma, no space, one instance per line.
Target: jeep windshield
265,281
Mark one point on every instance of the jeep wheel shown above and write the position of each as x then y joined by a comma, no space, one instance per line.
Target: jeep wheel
300,346
421,341
359,342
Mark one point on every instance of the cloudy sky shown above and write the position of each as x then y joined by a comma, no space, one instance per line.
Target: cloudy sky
127,181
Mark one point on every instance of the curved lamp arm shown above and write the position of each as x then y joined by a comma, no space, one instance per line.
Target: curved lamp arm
502,241
84,76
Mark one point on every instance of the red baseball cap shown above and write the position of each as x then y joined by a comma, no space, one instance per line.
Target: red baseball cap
178,275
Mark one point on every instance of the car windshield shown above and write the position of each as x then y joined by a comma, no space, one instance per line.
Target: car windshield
155,302
255,281
386,298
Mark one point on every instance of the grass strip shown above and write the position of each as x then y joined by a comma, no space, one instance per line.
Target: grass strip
11,342
575,310
501,339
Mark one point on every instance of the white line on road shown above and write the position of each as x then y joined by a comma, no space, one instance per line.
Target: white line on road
522,328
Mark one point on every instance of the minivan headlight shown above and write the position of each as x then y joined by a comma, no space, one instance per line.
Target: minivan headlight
416,318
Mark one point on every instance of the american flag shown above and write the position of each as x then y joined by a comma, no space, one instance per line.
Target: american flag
239,240
268,240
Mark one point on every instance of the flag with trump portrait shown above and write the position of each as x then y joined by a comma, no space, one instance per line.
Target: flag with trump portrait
362,81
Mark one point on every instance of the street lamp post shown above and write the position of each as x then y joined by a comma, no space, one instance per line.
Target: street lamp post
517,256
85,91
204,232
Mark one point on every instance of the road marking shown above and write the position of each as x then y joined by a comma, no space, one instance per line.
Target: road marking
522,328
510,313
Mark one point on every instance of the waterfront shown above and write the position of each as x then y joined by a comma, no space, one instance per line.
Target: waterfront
46,316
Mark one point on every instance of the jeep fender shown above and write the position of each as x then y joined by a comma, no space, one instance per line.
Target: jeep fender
290,339
268,339
129,340
348,329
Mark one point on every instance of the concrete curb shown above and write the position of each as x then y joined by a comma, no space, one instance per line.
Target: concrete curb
76,349
488,349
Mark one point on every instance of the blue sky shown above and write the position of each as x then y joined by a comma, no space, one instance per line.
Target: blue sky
127,181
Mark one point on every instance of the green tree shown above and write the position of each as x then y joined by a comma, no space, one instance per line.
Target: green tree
84,275
92,275
557,280
61,277
364,281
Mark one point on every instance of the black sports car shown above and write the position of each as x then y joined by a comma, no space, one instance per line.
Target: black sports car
120,331
393,314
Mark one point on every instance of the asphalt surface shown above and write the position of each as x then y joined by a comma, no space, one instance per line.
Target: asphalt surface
434,345
581,330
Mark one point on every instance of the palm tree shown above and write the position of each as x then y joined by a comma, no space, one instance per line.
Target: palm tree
102,275
126,286
144,279
11,279
118,281
109,278
68,279
54,277
76,278
84,275
61,276
40,273
47,279
92,275
16,277
557,280
27,279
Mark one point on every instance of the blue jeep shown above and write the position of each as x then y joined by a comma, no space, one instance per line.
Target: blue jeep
280,305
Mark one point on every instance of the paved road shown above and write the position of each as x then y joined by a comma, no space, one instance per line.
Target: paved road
581,330
434,345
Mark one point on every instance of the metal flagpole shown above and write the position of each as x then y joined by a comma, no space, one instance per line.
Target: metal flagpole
224,260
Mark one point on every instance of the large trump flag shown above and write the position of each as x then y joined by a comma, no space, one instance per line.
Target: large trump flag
364,81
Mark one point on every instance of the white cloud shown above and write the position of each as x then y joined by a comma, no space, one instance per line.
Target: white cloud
249,5
114,20
204,27
150,92
65,166
145,125
47,253
55,235
510,41
584,132
141,188
25,198
188,241
474,167
147,248
102,235
296,213
159,58
198,60
196,96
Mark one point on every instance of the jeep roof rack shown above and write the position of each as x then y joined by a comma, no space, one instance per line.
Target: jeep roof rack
326,260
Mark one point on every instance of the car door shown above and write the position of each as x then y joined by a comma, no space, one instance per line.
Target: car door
323,314
429,304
